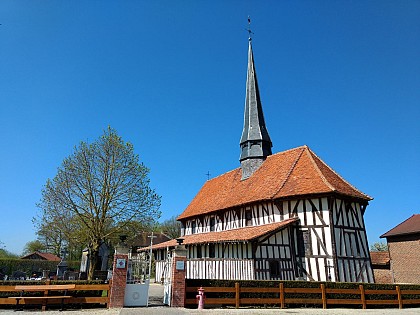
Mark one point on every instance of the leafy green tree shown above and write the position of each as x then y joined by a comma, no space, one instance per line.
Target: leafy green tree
33,246
5,253
379,247
171,227
99,190
55,236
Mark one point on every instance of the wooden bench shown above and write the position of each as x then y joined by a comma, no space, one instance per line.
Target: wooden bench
43,288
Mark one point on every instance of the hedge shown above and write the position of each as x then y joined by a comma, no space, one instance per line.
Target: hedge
29,266
298,284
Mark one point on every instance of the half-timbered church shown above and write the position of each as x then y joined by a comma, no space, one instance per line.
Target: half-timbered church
280,216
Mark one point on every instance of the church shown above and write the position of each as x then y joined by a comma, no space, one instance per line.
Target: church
283,216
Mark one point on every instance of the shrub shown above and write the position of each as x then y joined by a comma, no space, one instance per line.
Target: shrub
30,266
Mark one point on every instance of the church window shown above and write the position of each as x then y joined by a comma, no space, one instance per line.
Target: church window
304,241
307,242
274,266
248,218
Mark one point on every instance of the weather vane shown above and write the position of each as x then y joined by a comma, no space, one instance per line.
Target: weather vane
249,29
208,175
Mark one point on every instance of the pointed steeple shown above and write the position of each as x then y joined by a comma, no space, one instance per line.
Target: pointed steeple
255,142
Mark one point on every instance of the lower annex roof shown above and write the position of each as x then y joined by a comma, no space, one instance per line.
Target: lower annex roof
229,236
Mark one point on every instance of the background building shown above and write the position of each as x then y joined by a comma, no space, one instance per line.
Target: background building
404,250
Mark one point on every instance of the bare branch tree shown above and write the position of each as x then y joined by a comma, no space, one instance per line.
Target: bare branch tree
98,190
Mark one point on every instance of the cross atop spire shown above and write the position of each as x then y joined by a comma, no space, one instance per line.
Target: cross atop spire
249,29
255,142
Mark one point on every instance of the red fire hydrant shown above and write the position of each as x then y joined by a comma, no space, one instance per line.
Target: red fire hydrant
200,298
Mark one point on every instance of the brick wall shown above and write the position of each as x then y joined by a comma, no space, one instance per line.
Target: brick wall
119,279
405,256
178,278
382,275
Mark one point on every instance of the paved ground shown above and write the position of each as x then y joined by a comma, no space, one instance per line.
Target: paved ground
155,294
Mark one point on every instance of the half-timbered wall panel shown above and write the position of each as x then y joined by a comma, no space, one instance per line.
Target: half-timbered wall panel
330,243
274,257
208,268
221,250
229,269
234,218
230,261
162,265
352,249
313,242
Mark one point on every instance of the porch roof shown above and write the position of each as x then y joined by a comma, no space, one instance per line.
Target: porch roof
229,236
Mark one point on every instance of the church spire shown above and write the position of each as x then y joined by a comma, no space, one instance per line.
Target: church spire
255,142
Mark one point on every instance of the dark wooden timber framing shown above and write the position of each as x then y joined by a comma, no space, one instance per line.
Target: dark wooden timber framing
336,230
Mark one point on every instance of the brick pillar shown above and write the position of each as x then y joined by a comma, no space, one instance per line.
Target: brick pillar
119,277
179,265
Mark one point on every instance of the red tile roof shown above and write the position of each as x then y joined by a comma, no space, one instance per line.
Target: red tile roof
293,172
42,256
380,258
235,235
409,226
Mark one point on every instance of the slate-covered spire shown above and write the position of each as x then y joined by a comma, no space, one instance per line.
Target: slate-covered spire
255,141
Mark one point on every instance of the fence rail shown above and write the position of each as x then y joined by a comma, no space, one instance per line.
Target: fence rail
318,296
81,297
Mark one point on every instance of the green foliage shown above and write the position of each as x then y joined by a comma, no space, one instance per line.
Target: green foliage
33,246
171,227
4,254
98,191
379,247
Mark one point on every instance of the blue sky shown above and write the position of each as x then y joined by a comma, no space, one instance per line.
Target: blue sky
342,77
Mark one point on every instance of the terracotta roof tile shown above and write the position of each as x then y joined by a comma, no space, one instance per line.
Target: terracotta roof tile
409,226
39,255
290,173
380,258
234,235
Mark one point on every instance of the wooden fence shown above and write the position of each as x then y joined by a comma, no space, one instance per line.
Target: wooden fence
245,296
81,294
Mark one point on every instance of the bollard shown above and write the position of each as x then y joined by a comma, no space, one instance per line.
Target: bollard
200,298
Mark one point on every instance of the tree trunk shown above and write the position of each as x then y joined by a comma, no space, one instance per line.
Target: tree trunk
93,259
